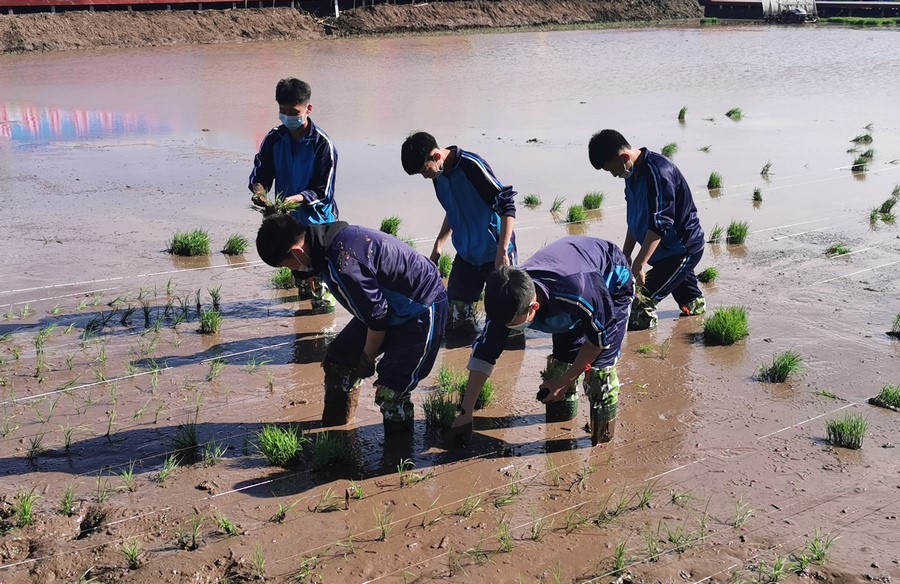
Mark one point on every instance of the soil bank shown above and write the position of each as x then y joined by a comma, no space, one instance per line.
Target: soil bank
84,30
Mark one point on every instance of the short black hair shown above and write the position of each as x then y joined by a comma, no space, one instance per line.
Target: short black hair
290,91
604,145
416,150
276,236
508,292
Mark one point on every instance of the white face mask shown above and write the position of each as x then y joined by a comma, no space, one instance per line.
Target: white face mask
291,122
628,172
439,172
304,269
519,327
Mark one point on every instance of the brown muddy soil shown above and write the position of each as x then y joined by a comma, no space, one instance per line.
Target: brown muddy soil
82,30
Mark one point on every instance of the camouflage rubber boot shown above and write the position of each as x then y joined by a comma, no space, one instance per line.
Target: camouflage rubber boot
463,319
304,287
694,307
602,389
567,408
323,301
397,410
341,394
643,315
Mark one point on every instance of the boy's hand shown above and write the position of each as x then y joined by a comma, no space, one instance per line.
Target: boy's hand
460,433
638,270
365,368
298,199
553,390
502,259
259,199
435,254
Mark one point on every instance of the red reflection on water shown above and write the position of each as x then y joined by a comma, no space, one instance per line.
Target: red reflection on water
29,122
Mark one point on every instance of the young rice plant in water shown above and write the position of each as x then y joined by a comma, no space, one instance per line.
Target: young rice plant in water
890,396
210,322
837,249
734,113
556,207
440,408
445,264
783,366
531,200
391,225
715,181
715,236
282,279
737,232
190,243
330,449
708,275
280,446
669,149
757,195
726,326
681,113
847,432
236,245
592,200
576,214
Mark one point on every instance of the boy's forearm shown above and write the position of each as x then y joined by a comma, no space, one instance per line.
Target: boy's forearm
649,245
374,340
443,234
586,355
507,223
476,382
628,248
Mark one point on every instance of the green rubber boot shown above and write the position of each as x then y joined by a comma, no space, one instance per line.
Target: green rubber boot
304,286
694,307
567,408
397,411
341,394
643,315
323,301
602,389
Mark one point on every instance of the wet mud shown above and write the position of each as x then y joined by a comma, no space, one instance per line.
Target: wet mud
713,476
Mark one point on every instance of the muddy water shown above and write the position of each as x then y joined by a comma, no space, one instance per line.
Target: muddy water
104,154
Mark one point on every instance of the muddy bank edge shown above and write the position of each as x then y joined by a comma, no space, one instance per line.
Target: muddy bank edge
83,30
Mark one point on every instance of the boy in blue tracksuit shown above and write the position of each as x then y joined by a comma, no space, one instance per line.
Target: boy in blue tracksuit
661,217
301,160
580,290
479,216
398,303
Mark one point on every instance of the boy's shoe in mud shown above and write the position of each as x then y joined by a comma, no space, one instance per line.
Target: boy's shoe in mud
694,307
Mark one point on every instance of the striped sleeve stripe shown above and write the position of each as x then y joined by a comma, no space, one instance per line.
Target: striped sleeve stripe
587,308
481,165
335,276
329,185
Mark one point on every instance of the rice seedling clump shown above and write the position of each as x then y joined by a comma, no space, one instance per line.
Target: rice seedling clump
330,450
682,113
576,214
734,113
531,200
391,225
860,164
888,397
726,326
440,408
282,279
189,243
715,180
863,139
757,195
669,149
236,245
280,446
592,200
210,322
708,275
715,236
847,432
737,232
556,207
837,249
783,366
445,264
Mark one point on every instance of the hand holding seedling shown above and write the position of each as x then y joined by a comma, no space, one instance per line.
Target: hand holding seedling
298,199
460,433
638,270
553,390
365,368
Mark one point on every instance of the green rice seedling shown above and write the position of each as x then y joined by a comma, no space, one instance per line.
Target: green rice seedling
737,232
669,149
282,512
889,396
556,207
235,245
282,279
705,149
16,352
440,409
862,139
836,249
539,527
826,393
645,496
23,508
391,225
189,540
132,552
305,572
678,537
470,506
127,477
576,214
709,20
9,313
281,445
328,501
714,181
620,559
408,477
40,338
682,113
56,310
486,396
774,573
198,303
330,450
887,207
847,432
383,520
726,326
531,200
652,544
213,452
646,348
592,200
35,447
216,366
819,546
210,322
26,311
445,264
67,504
783,366
504,537
708,275
860,164
189,243
757,195
680,498
355,491
553,472
766,169
621,505
254,363
270,381
734,113
868,154
168,467
874,216
800,564
581,477
186,441
125,320
742,512
259,562
215,295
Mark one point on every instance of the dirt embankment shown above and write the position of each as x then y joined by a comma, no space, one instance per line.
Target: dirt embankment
80,30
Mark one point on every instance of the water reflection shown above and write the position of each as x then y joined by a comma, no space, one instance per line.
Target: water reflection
29,123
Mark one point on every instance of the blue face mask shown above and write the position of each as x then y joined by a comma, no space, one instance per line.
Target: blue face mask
291,122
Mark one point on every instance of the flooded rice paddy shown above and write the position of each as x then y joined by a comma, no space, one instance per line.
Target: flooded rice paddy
105,154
